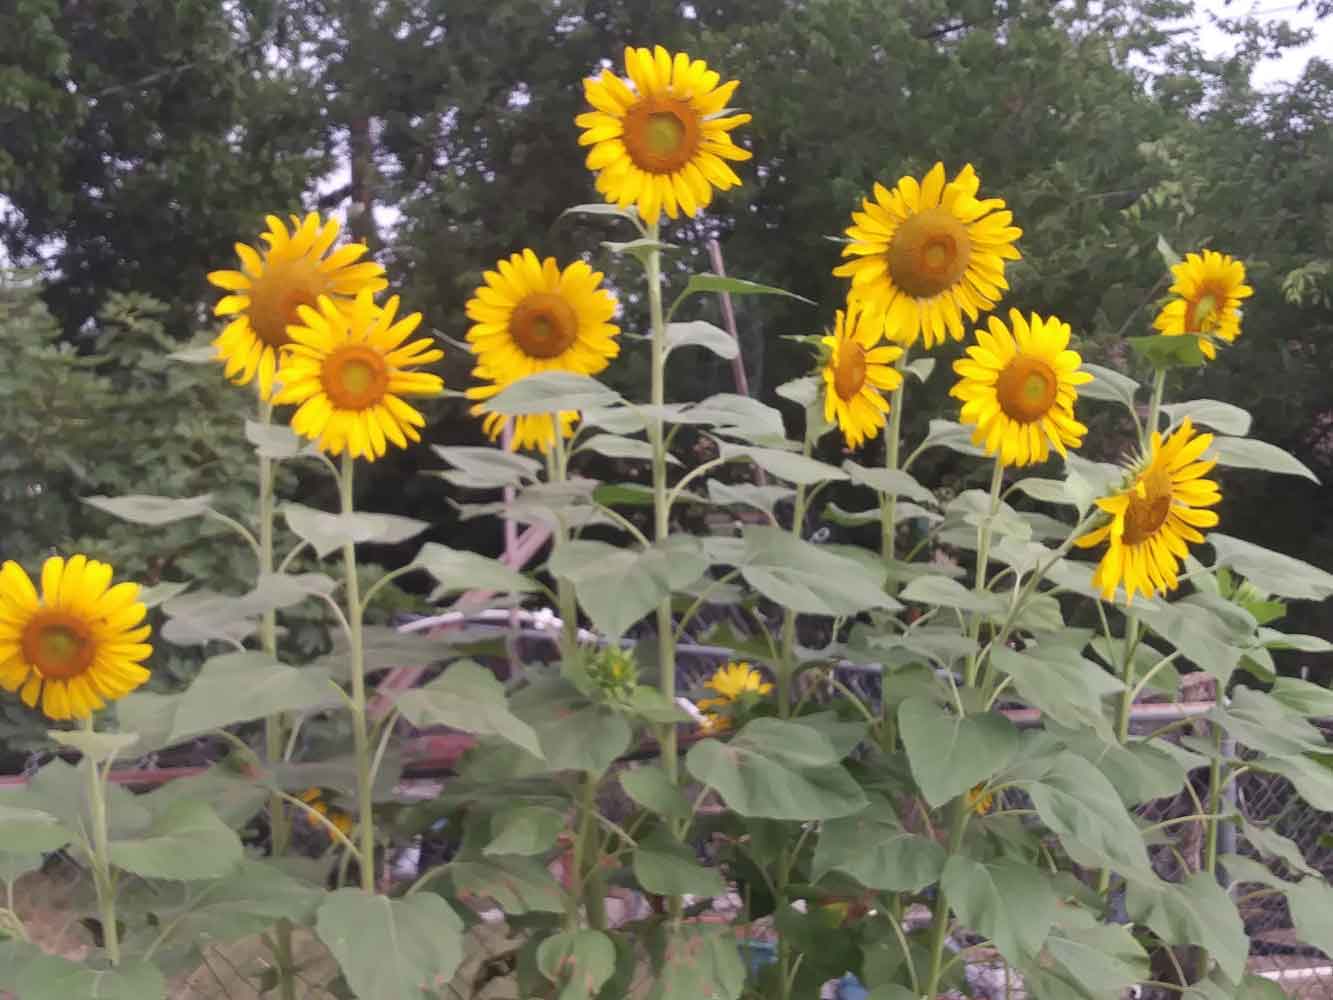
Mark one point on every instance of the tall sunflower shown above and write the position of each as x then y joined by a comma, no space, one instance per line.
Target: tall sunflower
529,316
1019,390
928,252
1155,515
1207,293
854,375
662,146
77,645
347,370
273,283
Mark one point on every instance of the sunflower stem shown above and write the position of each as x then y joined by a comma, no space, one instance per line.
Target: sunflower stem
557,472
102,880
939,925
892,443
787,661
984,531
1154,408
360,735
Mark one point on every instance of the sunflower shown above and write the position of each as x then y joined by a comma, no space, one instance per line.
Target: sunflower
78,645
1019,390
854,374
731,682
314,798
928,252
1207,291
528,317
266,292
347,370
1155,515
664,144
979,800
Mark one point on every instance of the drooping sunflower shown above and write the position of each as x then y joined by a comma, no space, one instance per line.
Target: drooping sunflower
1019,390
76,646
927,253
528,317
730,682
347,370
272,284
854,375
1206,299
662,146
314,798
1155,516
980,800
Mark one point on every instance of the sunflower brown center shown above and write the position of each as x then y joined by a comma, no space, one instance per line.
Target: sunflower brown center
543,325
1147,513
1026,389
661,134
849,374
355,377
58,644
276,294
1203,315
929,253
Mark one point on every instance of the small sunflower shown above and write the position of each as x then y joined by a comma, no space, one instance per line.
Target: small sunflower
928,252
1207,293
662,146
78,645
731,682
854,374
314,798
528,317
1154,516
347,371
266,292
1019,391
979,800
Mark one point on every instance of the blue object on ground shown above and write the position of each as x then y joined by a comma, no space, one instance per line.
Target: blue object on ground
850,988
757,954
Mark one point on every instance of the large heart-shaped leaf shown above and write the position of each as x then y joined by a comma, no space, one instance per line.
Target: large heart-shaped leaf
186,842
1009,902
949,753
874,848
468,697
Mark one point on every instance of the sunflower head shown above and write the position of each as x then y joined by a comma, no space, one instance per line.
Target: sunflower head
294,270
856,373
1156,516
530,316
979,800
75,646
348,369
1019,388
1205,300
661,141
928,252
735,685
314,798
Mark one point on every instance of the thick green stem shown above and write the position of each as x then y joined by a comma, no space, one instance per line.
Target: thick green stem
102,879
1214,804
1154,407
892,443
360,732
787,663
1127,675
984,533
587,860
939,927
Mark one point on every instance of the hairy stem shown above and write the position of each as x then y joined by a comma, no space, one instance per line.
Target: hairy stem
984,532
360,733
102,880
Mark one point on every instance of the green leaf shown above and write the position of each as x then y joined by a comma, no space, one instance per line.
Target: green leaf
694,962
1063,685
1264,724
1140,770
457,570
1007,901
151,597
552,392
150,510
1109,386
1046,490
59,790
1311,905
239,687
1279,575
616,446
1080,805
1272,844
1313,780
275,441
757,778
468,697
947,593
597,208
391,949
651,705
1093,963
921,368
14,865
1165,353
1196,911
524,830
700,283
99,746
579,962
23,829
486,468
764,498
326,532
649,786
1310,700
1221,417
574,734
808,578
697,333
874,848
954,436
664,866
1088,481
950,754
517,885
185,843
616,586
734,414
49,977
1169,256
789,465
1247,453
895,482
